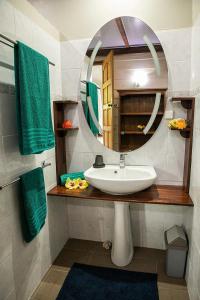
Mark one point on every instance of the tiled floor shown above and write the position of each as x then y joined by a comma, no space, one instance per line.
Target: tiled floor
92,253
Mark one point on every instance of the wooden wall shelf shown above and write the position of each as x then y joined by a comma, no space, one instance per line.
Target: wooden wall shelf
136,132
189,104
156,194
186,102
140,114
183,132
59,109
65,102
67,129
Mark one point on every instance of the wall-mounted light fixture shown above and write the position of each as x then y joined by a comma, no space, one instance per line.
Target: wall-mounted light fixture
140,77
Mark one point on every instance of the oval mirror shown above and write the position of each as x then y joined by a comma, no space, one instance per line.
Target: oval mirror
123,84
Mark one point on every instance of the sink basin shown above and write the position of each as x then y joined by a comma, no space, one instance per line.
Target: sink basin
116,181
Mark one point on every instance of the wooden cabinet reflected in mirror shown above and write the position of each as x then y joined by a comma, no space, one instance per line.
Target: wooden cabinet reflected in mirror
119,89
135,109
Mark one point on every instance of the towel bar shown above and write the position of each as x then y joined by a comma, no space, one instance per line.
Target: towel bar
84,81
43,165
8,40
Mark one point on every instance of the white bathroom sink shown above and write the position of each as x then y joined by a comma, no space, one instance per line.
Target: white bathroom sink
116,181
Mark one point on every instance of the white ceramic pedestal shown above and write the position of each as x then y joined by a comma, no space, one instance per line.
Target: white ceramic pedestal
122,244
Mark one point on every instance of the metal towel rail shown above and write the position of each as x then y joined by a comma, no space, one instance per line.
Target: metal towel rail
8,40
44,165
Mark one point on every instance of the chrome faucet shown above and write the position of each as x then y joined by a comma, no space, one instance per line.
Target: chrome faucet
122,160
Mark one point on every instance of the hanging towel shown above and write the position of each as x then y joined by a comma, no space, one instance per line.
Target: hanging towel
74,175
33,203
93,93
34,121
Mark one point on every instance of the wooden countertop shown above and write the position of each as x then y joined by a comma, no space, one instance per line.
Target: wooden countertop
156,194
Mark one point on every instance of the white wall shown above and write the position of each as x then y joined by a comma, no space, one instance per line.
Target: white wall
22,265
91,15
165,151
192,220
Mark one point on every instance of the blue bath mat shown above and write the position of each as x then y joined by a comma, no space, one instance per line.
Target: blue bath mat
96,283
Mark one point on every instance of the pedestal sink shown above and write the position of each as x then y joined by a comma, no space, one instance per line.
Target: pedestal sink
113,180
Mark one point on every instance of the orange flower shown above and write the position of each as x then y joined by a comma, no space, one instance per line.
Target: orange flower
177,124
181,124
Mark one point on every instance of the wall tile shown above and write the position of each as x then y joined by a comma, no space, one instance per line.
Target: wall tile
153,239
6,275
50,174
24,28
5,237
177,82
28,279
57,224
74,161
70,82
7,22
11,296
72,53
45,44
7,75
173,49
13,159
3,174
8,114
6,55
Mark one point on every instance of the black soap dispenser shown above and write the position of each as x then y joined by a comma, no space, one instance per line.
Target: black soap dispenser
99,162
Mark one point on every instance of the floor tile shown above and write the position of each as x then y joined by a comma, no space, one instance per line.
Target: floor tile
85,245
51,284
152,254
46,291
165,294
163,278
76,244
55,276
172,285
142,265
179,294
101,260
68,257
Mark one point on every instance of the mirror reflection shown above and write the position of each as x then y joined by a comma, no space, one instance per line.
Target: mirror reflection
123,84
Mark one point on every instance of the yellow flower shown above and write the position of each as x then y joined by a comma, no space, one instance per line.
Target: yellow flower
140,127
76,183
177,124
83,184
71,184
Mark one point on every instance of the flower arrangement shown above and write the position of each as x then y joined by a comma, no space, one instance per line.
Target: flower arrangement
177,124
73,184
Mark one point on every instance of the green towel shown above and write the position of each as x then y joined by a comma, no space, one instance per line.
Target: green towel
33,203
93,93
34,121
74,175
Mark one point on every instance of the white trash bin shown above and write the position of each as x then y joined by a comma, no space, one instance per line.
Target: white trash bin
177,248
